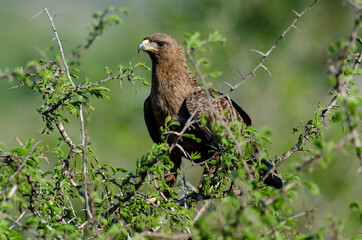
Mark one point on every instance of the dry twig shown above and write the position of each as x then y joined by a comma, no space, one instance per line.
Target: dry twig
86,196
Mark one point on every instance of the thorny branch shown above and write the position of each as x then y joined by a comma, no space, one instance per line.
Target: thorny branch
95,34
79,89
265,55
97,31
244,78
86,196
298,215
340,89
143,174
60,46
340,144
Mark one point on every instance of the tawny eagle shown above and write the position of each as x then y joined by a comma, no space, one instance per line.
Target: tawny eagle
176,93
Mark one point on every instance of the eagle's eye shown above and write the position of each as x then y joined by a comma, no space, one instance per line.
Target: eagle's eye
160,44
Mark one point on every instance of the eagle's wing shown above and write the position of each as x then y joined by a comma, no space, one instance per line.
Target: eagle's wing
224,106
233,112
242,113
151,123
196,105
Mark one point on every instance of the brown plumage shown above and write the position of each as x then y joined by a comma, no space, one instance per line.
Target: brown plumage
176,93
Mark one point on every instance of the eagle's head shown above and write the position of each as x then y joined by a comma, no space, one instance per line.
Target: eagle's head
162,48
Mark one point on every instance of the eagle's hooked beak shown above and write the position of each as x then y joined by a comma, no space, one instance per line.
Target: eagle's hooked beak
146,45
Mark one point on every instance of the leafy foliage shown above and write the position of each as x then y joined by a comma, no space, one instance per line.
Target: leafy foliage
83,197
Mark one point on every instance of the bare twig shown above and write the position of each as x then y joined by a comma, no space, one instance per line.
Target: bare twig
95,34
265,55
354,4
64,134
300,215
60,46
84,150
19,218
202,210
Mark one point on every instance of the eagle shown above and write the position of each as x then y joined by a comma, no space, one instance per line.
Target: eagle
176,94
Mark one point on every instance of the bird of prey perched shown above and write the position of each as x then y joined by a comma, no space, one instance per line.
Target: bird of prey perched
176,93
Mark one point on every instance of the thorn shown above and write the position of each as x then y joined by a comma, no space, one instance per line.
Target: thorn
295,12
332,68
10,88
36,15
265,69
261,53
60,14
254,75
183,151
19,142
293,26
229,85
241,74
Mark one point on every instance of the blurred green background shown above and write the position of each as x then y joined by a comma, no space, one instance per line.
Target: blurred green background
118,134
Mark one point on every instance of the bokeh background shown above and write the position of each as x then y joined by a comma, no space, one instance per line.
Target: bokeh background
118,134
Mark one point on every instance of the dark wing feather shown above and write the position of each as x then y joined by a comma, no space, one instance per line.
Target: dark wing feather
200,131
191,105
151,123
234,111
242,113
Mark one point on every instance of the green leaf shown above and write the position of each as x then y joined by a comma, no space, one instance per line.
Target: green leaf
19,150
359,40
193,41
114,19
203,61
108,71
192,136
167,120
216,37
99,91
126,11
215,74
143,65
29,143
174,123
353,103
313,187
96,14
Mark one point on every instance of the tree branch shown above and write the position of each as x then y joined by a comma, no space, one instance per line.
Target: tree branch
95,34
340,89
265,55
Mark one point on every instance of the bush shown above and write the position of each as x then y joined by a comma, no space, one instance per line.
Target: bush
83,197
